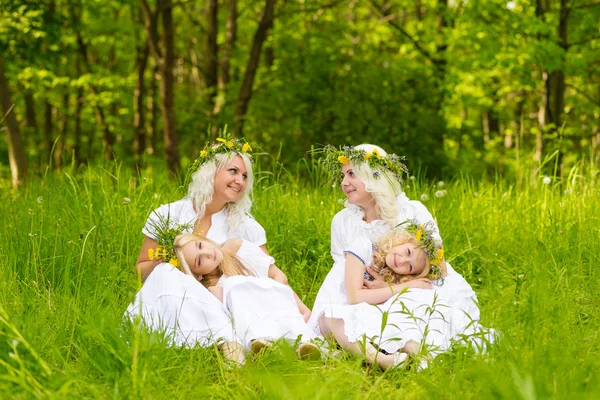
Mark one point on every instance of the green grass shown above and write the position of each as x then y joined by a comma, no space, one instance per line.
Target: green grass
68,245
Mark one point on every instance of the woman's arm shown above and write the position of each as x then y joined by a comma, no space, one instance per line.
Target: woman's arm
144,266
277,275
355,270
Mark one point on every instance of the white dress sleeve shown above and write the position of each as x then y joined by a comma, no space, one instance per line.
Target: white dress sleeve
413,209
362,249
337,241
255,258
172,212
252,231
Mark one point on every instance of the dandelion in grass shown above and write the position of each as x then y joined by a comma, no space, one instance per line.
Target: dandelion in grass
546,180
424,197
126,200
40,199
412,178
567,191
441,184
30,211
440,193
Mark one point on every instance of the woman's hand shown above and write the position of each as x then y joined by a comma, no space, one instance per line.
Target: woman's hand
377,283
421,283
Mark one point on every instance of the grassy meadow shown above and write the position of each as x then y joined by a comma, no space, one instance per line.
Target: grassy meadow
68,244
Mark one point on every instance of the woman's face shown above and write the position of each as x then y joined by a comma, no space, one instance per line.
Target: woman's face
406,259
202,256
354,188
230,181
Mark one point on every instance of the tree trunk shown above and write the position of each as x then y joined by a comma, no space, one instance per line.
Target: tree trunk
166,88
212,52
246,89
230,42
16,150
139,96
152,110
48,126
165,58
30,118
62,132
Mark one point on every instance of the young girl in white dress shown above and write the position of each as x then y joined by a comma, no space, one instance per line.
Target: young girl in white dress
240,275
408,258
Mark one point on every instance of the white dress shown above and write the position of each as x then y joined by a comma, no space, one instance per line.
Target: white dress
260,307
178,304
460,301
182,212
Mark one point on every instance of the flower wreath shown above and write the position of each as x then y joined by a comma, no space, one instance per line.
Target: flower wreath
166,232
334,156
223,145
428,243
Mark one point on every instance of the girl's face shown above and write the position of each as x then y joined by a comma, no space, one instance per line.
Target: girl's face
202,256
406,259
230,181
354,188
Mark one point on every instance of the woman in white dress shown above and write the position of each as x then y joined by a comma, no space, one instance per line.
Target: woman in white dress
241,276
217,206
371,181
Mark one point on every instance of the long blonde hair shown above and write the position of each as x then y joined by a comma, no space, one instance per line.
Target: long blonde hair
230,265
202,188
384,189
382,248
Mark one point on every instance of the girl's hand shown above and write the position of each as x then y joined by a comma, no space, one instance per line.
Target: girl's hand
377,283
421,283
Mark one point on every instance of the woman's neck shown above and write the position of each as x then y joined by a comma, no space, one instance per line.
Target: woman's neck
214,207
370,214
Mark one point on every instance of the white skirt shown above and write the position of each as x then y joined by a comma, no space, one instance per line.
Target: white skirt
178,305
262,308
434,317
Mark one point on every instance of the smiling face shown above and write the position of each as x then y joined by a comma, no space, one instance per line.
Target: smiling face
202,256
230,181
406,259
354,188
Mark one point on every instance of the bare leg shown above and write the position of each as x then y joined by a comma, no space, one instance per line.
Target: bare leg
234,351
335,327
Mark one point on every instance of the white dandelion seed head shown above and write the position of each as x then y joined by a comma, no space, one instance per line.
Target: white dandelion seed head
440,193
126,200
441,184
546,180
40,199
424,197
567,191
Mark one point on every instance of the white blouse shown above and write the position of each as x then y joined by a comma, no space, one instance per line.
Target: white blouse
348,225
182,213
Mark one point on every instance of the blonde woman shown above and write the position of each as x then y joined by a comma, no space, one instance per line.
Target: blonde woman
217,204
372,181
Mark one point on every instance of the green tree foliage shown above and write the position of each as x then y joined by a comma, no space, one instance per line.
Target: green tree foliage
454,85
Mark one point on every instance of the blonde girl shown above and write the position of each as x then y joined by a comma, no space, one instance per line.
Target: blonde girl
243,277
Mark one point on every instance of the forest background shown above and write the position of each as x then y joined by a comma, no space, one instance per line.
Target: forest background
454,85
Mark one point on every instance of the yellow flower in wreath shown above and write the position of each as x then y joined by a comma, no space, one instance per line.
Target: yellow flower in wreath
343,160
418,234
246,147
230,144
367,155
173,262
150,254
221,140
376,153
203,153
